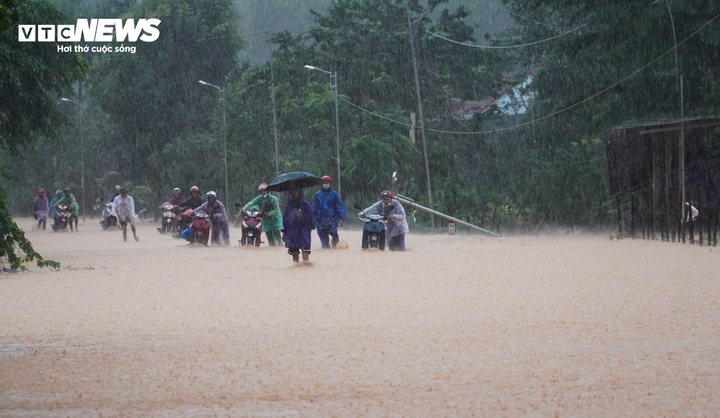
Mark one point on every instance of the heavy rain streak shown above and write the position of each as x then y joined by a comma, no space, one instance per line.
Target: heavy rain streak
339,208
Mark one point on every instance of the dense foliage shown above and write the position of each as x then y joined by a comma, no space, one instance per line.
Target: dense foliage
148,122
31,78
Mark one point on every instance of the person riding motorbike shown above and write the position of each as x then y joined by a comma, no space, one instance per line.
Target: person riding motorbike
220,229
192,202
69,200
397,226
175,201
329,213
177,197
116,194
270,206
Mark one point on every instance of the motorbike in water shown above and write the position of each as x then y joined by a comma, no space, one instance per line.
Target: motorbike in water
200,228
62,218
374,229
170,219
108,219
185,220
251,226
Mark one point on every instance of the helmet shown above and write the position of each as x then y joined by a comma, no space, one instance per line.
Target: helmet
66,190
211,194
262,186
117,188
386,193
177,189
194,189
326,178
58,191
41,191
123,190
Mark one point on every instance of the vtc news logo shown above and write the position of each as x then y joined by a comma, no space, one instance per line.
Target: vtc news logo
92,30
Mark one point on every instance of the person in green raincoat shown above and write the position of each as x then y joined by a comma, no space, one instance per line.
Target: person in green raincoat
270,206
69,199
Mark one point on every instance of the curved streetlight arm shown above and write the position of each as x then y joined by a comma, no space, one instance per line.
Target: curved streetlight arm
310,67
204,83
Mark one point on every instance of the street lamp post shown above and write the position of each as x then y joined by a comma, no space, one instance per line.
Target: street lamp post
82,154
222,99
334,87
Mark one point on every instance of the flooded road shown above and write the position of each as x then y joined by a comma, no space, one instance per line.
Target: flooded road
457,326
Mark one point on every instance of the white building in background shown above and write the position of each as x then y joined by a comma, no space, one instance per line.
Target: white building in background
513,100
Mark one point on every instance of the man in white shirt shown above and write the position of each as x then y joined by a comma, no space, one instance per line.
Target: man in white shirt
124,210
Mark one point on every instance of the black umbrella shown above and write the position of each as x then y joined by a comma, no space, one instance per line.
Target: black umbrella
293,180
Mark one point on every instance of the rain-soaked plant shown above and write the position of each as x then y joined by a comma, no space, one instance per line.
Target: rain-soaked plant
14,246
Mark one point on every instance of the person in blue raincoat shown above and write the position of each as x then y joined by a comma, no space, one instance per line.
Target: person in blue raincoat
329,213
298,220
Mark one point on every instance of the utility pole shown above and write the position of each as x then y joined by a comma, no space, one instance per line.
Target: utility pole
681,157
681,145
450,140
413,47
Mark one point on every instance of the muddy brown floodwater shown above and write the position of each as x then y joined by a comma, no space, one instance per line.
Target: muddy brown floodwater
458,326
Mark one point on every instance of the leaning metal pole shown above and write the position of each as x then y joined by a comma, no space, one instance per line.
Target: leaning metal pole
408,201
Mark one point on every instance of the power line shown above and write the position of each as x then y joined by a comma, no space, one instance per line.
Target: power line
470,132
505,46
505,150
554,113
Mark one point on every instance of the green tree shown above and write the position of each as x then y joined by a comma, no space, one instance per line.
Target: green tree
153,96
8,14
560,169
32,77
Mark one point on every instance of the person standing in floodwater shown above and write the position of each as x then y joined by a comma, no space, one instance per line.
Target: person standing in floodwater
298,219
329,213
124,210
41,207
